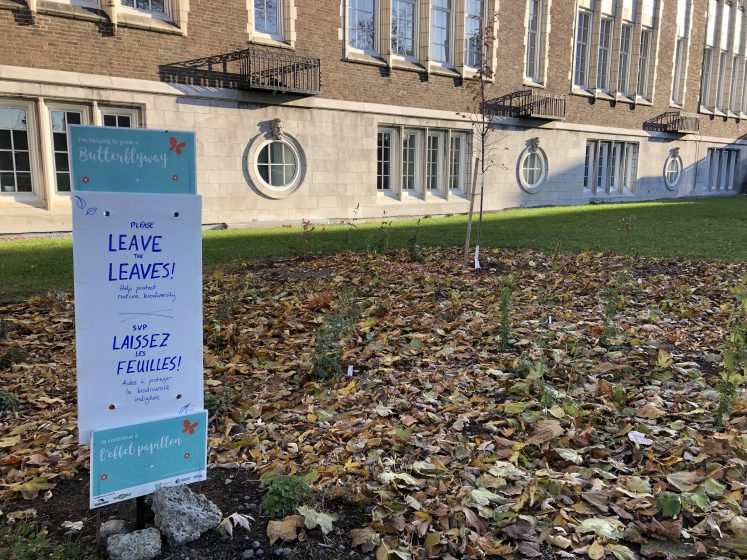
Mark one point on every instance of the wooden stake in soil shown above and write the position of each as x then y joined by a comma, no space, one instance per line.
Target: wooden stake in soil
472,194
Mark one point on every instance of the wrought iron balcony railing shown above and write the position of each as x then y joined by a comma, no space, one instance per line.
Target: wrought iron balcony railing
532,104
253,68
677,122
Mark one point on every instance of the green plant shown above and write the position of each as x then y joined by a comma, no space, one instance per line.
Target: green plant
11,356
507,299
735,355
614,300
416,252
214,404
26,541
383,234
285,494
336,326
628,225
352,226
7,401
306,230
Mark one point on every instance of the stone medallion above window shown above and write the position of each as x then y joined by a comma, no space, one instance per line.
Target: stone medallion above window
532,167
276,164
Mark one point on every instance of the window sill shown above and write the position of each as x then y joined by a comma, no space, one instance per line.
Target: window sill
578,90
135,21
267,40
406,65
720,113
469,72
25,199
705,110
643,101
620,98
678,106
604,95
363,58
12,5
71,11
441,69
531,83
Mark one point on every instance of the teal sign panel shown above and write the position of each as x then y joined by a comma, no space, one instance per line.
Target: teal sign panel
132,160
136,460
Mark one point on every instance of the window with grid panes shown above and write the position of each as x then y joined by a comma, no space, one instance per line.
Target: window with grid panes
581,65
154,7
643,64
533,41
277,164
267,16
603,57
362,25
61,120
473,32
623,64
15,157
434,161
457,151
441,31
404,13
409,160
384,160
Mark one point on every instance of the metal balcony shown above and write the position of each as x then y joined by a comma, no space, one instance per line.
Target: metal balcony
532,104
253,68
677,122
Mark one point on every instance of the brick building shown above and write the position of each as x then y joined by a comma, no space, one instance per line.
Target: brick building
309,109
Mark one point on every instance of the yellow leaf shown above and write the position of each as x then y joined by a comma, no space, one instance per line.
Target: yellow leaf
596,551
9,442
432,539
350,388
286,529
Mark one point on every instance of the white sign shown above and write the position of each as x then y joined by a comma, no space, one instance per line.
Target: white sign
138,307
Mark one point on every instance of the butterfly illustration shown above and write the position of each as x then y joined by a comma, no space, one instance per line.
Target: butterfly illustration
175,146
189,427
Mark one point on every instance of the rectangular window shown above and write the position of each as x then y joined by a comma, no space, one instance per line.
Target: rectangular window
744,88
533,41
603,59
403,27
153,7
473,32
434,162
705,83
61,119
120,117
623,65
581,70
720,82
441,30
678,78
362,25
722,169
409,160
610,167
15,157
734,84
267,16
384,161
643,64
457,152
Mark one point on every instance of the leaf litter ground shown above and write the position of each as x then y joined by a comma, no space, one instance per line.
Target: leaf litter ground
591,434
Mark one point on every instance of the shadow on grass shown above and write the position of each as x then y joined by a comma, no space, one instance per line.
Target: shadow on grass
714,228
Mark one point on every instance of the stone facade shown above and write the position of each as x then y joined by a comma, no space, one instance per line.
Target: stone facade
56,55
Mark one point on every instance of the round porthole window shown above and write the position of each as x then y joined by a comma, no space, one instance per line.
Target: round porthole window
276,166
532,169
672,172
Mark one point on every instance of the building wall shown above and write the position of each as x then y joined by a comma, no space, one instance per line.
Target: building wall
75,57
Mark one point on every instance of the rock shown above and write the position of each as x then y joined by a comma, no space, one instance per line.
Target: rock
140,545
182,516
113,527
249,553
256,544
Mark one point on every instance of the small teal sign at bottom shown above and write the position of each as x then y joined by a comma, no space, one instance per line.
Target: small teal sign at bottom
136,460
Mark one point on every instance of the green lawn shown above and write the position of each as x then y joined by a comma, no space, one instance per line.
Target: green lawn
697,228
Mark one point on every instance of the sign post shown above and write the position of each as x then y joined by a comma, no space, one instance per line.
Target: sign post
137,247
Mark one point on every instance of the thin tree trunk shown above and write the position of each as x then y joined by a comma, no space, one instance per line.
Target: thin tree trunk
479,221
472,194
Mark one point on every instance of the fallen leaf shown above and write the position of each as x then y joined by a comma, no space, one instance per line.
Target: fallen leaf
285,529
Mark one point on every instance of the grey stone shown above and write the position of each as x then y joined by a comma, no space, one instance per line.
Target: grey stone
256,544
182,516
249,553
140,545
113,527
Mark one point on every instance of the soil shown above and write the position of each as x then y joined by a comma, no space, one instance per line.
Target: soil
232,490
